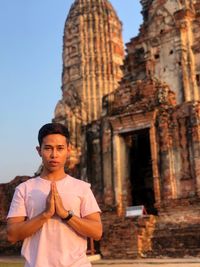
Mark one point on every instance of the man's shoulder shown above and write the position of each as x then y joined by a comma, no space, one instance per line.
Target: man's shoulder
77,182
29,182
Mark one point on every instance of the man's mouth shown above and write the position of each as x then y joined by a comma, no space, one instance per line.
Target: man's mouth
53,163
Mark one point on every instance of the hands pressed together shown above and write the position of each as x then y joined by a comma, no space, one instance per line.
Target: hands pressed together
19,228
54,203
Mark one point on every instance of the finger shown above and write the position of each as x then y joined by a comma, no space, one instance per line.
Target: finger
55,188
51,190
52,185
56,191
56,196
50,197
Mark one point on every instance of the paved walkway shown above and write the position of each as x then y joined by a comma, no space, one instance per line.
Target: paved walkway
187,262
192,262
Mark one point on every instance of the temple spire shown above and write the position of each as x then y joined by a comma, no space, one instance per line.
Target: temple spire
93,52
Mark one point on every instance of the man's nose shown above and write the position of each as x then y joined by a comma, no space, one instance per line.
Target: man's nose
53,153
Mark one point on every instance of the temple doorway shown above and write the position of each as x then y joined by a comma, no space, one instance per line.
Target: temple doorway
140,170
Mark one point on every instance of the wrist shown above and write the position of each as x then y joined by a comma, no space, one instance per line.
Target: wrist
46,215
69,215
64,214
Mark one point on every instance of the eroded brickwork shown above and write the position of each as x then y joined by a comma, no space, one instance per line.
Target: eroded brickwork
157,103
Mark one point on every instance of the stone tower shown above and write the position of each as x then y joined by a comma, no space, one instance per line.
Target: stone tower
172,50
92,55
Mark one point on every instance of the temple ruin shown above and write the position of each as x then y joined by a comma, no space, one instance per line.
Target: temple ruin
144,151
149,138
136,128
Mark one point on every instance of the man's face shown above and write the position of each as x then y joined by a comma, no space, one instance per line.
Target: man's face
54,151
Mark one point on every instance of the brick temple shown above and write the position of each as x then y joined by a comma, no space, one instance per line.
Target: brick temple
136,128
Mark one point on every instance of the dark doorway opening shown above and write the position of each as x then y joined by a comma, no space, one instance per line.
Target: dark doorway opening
141,174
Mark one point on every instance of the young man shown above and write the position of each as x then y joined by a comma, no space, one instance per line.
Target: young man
55,213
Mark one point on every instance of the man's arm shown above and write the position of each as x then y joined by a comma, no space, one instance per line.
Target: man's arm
89,226
18,228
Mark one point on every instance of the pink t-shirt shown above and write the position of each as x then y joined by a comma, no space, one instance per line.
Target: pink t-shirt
56,244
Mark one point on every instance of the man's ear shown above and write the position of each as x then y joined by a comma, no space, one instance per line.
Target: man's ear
38,150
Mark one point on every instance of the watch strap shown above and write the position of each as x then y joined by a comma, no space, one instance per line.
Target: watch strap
69,216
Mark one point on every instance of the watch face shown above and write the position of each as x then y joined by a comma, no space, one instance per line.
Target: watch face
71,213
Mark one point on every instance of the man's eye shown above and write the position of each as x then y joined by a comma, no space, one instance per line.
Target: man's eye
60,148
47,148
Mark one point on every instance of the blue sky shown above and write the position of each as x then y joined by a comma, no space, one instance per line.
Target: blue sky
30,73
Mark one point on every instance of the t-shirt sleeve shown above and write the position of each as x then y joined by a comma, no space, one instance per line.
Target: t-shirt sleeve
89,204
17,207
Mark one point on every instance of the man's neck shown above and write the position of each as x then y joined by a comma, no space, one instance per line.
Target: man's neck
53,176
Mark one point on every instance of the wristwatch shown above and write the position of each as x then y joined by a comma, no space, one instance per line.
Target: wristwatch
69,216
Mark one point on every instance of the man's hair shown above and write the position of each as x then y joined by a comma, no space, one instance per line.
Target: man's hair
52,128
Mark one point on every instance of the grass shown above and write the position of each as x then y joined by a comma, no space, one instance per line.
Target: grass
3,264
